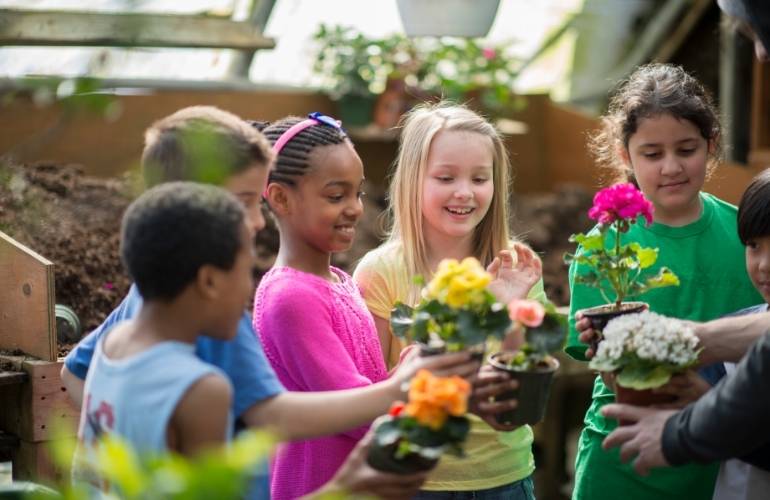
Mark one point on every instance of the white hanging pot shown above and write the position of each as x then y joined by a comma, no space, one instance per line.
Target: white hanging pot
466,18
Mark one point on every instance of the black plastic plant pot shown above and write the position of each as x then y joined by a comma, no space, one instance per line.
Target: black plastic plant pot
532,394
599,316
383,459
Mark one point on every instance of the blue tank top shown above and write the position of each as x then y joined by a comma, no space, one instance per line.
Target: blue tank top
134,398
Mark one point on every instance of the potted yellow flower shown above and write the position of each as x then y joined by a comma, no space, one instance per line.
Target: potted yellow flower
456,311
412,437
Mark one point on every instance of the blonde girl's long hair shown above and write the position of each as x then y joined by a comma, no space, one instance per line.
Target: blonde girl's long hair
419,127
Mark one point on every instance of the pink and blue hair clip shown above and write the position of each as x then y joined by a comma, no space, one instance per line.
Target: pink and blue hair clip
312,119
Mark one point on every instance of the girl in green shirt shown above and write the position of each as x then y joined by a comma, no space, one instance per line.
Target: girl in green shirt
662,133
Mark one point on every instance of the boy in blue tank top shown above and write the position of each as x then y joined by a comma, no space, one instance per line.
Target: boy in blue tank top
189,252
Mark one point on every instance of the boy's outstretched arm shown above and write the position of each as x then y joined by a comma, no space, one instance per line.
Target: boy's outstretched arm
200,420
302,415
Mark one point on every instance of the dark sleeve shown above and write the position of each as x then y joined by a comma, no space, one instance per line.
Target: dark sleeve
730,421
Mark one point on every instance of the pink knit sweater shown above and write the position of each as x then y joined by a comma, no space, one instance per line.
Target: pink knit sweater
318,336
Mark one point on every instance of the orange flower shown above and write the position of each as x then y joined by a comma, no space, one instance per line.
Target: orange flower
527,312
433,399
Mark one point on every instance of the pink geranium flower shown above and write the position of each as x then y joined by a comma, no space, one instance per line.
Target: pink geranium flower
620,201
527,312
488,53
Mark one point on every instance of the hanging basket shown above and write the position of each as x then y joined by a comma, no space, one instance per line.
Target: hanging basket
466,18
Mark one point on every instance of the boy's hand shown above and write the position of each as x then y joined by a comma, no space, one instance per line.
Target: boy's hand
488,384
514,280
355,476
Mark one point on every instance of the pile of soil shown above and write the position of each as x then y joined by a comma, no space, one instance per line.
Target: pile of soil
74,221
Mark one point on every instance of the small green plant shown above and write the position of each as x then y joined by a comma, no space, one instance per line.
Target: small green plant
353,64
457,310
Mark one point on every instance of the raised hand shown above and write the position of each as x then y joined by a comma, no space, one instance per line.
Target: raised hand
513,279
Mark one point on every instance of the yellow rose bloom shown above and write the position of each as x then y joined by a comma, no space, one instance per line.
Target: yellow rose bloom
459,284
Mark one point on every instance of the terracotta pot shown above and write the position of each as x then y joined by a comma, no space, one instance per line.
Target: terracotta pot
383,459
599,316
532,394
636,397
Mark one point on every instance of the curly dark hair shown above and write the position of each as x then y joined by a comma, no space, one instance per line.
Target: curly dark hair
653,90
174,229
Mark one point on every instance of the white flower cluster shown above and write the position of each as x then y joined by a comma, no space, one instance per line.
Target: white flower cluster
649,336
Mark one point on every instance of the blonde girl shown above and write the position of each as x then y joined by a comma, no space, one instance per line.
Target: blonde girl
449,198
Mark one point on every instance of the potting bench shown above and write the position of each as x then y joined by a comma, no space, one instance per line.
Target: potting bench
34,407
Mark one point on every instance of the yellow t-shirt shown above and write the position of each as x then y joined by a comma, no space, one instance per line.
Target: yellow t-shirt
492,458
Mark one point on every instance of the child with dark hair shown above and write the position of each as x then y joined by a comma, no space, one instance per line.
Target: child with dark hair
737,479
315,328
146,385
662,133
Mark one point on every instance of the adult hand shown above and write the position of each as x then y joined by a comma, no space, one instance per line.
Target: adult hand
642,438
514,279
685,388
355,476
488,384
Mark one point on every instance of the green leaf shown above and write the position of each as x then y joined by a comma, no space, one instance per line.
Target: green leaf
401,320
664,278
646,256
589,242
643,376
549,336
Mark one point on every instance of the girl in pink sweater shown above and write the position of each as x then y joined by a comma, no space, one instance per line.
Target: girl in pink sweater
314,325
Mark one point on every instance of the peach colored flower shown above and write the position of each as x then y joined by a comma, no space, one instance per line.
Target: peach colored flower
527,312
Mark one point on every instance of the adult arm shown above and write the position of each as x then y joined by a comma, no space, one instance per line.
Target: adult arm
728,339
729,421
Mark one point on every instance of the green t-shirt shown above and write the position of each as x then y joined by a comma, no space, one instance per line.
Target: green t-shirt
709,259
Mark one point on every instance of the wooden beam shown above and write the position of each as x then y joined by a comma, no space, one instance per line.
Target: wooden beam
73,28
27,322
682,30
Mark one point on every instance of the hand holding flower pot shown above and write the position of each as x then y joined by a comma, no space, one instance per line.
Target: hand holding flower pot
456,312
644,350
617,269
533,365
414,435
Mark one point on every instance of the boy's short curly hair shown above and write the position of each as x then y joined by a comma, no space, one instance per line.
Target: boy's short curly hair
202,144
174,229
754,209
